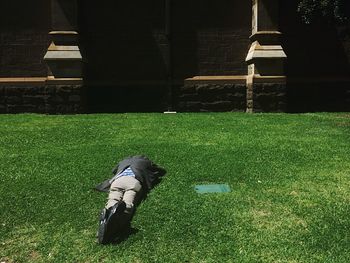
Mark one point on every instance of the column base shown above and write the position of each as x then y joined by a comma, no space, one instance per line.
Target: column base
63,56
266,94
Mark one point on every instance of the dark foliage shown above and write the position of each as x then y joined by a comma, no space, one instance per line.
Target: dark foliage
334,11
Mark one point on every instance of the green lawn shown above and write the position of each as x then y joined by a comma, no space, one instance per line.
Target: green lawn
289,177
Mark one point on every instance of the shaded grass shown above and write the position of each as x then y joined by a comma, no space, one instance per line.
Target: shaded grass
289,176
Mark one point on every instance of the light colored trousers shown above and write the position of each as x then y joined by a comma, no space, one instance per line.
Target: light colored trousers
124,188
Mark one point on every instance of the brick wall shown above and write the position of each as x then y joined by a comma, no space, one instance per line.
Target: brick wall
24,27
22,52
210,38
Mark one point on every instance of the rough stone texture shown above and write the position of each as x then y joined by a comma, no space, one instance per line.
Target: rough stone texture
269,97
212,97
49,99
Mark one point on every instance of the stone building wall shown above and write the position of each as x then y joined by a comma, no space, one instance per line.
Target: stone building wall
126,47
24,27
213,94
212,97
127,54
21,53
41,97
210,38
122,41
126,41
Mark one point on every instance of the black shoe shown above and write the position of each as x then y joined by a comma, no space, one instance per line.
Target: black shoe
110,222
101,233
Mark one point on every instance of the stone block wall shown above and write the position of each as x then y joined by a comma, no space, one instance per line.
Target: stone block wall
211,97
49,99
269,97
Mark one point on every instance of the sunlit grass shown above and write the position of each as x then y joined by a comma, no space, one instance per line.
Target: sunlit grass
289,176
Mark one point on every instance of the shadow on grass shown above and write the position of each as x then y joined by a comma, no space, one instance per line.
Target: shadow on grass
125,235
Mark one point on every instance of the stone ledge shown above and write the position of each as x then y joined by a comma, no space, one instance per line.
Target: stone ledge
216,80
63,33
23,81
39,81
270,79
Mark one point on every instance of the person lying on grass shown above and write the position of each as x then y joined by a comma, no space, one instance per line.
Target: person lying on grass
133,178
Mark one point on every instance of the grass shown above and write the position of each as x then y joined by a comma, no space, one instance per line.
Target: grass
289,176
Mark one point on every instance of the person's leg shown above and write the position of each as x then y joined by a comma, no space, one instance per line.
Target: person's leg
119,210
132,188
116,193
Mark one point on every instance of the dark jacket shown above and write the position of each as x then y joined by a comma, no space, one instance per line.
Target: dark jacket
147,172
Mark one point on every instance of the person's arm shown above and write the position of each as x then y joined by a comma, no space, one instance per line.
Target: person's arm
159,171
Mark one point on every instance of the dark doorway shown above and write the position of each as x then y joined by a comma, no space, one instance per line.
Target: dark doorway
136,52
123,45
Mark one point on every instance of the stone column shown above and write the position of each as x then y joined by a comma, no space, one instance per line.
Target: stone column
64,60
266,83
63,55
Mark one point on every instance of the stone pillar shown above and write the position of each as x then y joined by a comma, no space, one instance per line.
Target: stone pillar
64,60
266,83
63,56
